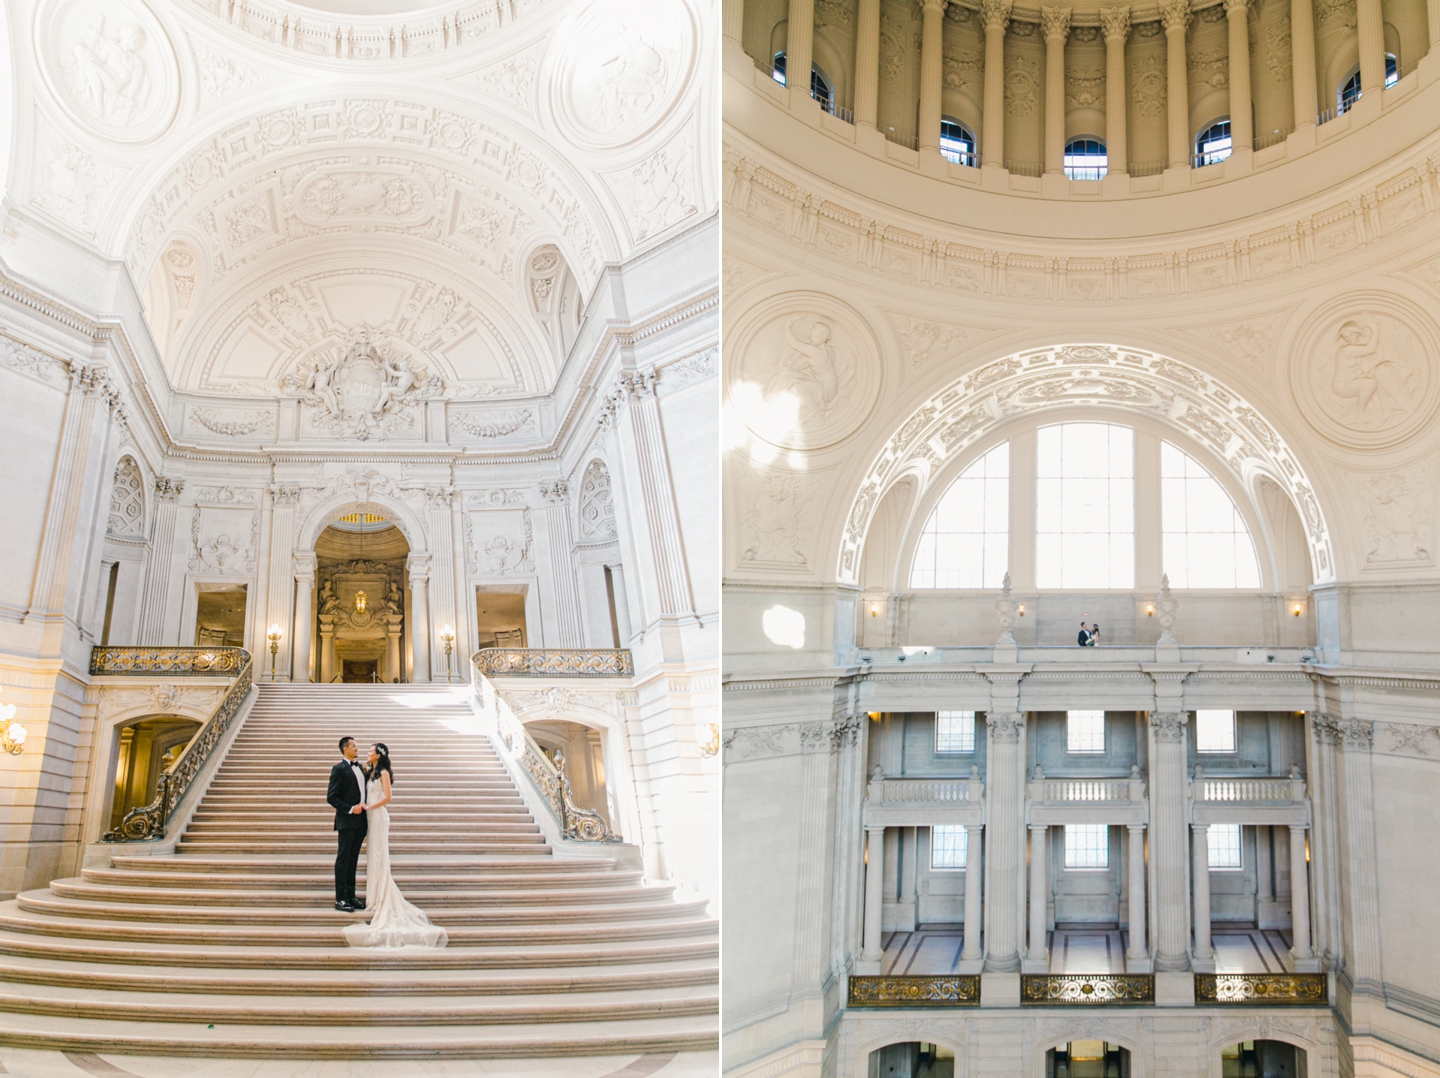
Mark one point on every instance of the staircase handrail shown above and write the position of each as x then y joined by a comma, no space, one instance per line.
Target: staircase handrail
134,661
548,779
148,822
554,662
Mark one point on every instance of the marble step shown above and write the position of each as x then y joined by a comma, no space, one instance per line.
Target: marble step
370,1042
419,883
477,899
502,867
185,846
399,825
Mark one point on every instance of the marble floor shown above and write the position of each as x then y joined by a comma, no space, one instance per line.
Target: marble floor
1085,949
25,1063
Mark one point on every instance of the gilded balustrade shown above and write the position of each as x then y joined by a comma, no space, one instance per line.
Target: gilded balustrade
554,662
1291,989
149,821
1087,989
945,990
168,662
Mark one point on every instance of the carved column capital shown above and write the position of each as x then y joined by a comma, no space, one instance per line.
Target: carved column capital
1325,730
1357,736
1168,725
995,13
555,492
285,493
1115,22
1055,22
305,565
1006,726
931,5
167,489
1175,14
1233,6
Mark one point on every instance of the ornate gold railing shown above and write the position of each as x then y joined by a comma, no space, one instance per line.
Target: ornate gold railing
1295,989
554,662
168,662
1087,989
945,990
149,821
580,824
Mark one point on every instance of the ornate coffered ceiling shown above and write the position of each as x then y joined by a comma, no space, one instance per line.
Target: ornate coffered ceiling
452,198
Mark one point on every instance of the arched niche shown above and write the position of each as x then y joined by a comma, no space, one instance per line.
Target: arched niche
553,296
172,292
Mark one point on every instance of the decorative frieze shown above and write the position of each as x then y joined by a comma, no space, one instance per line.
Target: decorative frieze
1087,989
948,990
1249,989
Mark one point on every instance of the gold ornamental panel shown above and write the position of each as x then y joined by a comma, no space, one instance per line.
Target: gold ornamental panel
1291,989
948,990
1087,989
554,662
168,662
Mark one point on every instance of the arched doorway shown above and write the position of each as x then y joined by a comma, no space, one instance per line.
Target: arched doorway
1262,1059
360,603
146,749
911,1059
584,754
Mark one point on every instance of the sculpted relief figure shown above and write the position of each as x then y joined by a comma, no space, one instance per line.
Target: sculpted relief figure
630,83
329,601
108,74
1373,382
810,371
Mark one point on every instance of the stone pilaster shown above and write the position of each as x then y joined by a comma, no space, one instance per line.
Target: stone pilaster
418,568
1136,953
162,553
1004,841
562,564
1168,845
442,582
302,633
280,594
1358,868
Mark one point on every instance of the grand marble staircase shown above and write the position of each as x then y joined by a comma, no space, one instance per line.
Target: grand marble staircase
230,947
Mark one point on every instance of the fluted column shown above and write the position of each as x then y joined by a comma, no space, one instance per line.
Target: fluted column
734,19
280,594
1176,16
304,615
442,571
1055,21
867,64
418,566
1371,32
996,14
874,891
799,49
1242,125
974,835
1302,60
162,550
1299,895
1167,838
932,49
1004,841
1115,22
1432,8
1039,863
1135,889
327,649
570,629
1200,874
1359,871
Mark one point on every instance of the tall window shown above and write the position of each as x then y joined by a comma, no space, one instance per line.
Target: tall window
1085,732
1205,541
1213,144
819,84
1223,842
1215,731
1350,88
1085,506
955,731
1087,845
1085,159
957,142
949,846
966,541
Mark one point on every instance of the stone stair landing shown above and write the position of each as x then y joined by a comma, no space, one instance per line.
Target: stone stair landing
230,947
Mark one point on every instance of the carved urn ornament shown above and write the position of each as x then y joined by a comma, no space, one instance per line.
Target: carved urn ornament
1005,608
1166,606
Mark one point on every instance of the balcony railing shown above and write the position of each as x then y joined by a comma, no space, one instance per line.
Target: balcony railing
1290,989
1087,790
912,790
168,662
1251,790
149,821
554,662
1087,989
947,990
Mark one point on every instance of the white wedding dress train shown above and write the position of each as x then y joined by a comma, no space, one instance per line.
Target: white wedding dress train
393,921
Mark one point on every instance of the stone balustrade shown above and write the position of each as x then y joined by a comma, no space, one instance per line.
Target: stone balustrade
554,662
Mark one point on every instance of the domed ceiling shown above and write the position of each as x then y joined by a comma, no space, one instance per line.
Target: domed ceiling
289,182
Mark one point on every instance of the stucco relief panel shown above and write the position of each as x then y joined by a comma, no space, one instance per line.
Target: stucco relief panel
811,365
1395,513
1361,374
499,542
223,540
111,66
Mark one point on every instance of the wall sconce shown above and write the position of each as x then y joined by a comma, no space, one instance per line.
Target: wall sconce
1149,610
874,716
1020,610
447,637
12,734
274,637
874,610
360,600
1298,608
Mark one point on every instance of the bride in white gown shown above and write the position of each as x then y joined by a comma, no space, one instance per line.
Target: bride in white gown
393,921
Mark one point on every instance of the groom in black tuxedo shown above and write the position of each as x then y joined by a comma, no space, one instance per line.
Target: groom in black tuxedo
347,797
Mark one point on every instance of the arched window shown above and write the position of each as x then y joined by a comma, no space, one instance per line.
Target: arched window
966,541
1085,159
1350,89
1204,541
1213,143
957,142
1085,506
819,85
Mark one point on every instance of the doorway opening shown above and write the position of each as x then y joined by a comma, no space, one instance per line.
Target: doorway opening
584,752
500,617
361,602
220,615
146,749
1087,1059
1262,1059
912,1059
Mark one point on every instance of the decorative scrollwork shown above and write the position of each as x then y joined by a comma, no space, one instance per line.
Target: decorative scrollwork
581,824
950,990
1294,989
171,662
149,821
555,662
1088,989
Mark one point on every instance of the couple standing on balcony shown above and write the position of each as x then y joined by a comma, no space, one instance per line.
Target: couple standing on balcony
1089,635
362,815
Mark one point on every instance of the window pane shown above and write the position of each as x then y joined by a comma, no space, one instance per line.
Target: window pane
1205,543
949,844
955,731
1223,842
1085,506
1087,845
966,541
1214,731
1085,731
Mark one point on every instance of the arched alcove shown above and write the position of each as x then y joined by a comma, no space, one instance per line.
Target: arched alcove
146,748
911,1059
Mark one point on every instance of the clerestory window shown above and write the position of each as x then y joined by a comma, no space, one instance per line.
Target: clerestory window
957,143
1223,846
1085,732
820,88
955,732
949,846
1351,90
966,541
1205,543
1087,845
1215,731
1086,159
1213,144
1085,506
